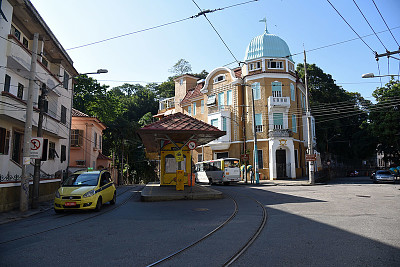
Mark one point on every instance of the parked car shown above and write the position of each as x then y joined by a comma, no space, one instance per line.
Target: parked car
85,190
384,176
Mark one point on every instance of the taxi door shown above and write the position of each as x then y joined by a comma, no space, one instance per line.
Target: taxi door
107,190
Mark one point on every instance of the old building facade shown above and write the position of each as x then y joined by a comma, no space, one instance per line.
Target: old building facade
225,100
19,21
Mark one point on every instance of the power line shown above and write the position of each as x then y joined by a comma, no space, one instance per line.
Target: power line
351,27
159,26
220,37
370,25
385,23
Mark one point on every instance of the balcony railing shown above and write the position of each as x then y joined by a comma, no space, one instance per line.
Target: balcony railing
280,133
278,101
167,103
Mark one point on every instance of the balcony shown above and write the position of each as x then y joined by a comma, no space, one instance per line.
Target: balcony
165,104
277,133
274,101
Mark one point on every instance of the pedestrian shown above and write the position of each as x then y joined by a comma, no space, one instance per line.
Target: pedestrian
251,173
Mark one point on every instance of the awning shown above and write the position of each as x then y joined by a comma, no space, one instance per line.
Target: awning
179,128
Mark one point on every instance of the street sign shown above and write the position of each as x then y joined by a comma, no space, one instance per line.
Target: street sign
36,147
244,157
311,157
192,145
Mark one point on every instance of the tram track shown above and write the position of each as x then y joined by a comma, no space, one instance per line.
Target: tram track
74,222
240,251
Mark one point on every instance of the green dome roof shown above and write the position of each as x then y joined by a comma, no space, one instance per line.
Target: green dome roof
267,45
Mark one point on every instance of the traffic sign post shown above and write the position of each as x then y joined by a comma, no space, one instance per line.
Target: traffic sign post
311,157
36,147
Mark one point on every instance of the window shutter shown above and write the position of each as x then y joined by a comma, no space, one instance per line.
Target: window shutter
258,119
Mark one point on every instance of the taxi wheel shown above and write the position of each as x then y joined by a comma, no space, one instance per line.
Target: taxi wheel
98,204
114,200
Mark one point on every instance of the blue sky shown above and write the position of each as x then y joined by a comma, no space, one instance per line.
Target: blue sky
148,56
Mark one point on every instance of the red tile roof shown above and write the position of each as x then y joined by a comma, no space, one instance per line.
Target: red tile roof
102,156
77,113
238,72
179,128
193,93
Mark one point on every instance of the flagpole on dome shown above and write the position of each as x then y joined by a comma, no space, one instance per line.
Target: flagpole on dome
265,21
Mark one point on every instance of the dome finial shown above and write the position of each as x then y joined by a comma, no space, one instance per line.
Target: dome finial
265,21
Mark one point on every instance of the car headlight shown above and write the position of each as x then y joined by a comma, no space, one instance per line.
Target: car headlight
58,194
89,193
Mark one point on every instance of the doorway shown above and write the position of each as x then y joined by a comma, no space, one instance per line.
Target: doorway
281,163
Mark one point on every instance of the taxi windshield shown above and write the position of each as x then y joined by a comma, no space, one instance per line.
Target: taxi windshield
84,179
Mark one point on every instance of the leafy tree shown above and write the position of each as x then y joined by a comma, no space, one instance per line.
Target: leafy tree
181,67
385,120
340,116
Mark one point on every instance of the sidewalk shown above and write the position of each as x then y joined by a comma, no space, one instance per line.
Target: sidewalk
15,215
286,182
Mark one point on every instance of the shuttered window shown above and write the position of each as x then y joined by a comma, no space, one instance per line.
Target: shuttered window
256,90
278,120
276,89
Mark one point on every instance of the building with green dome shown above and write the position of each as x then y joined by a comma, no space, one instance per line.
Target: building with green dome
224,100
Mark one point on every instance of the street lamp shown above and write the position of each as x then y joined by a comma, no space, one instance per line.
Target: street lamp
371,75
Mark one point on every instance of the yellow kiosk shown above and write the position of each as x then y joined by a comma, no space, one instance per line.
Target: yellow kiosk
175,165
172,137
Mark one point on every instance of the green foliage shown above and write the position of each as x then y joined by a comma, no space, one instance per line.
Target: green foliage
341,117
385,120
123,109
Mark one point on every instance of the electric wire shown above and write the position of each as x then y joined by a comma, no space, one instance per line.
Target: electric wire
385,23
351,27
159,26
220,37
369,25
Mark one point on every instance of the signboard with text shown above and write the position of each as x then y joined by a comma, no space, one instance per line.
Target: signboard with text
36,147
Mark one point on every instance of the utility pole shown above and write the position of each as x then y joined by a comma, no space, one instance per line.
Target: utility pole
309,130
36,173
24,196
255,151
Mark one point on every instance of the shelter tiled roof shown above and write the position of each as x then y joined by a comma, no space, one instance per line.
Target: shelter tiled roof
179,128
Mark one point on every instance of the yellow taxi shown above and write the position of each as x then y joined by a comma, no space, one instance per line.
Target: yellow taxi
85,190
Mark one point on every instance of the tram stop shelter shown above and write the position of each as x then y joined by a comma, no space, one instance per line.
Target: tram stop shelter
172,138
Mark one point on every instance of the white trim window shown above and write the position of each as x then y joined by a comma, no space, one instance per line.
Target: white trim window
255,66
294,123
190,110
276,89
221,100
291,67
219,78
202,106
275,65
229,97
278,121
259,125
194,108
256,90
292,92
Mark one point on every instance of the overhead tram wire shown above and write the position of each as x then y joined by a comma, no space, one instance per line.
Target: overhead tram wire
351,27
370,25
386,23
161,25
220,37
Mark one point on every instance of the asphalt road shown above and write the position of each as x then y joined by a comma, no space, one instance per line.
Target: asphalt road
349,222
